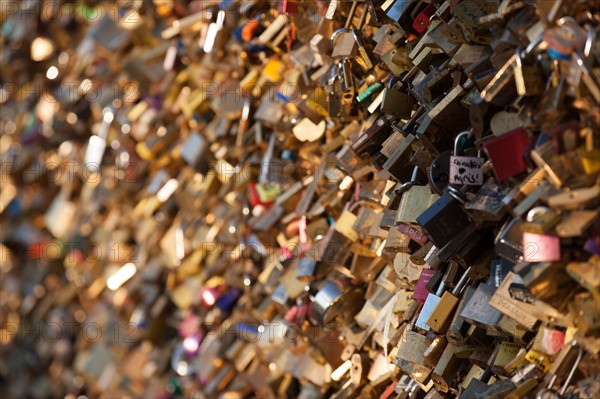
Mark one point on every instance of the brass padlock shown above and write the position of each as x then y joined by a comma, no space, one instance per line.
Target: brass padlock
430,304
396,102
399,158
412,347
440,317
444,371
540,220
414,202
528,78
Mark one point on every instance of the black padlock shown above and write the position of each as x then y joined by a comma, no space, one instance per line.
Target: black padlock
370,141
443,220
439,172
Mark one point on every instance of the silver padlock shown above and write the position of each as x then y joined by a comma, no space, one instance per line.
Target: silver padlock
465,170
343,40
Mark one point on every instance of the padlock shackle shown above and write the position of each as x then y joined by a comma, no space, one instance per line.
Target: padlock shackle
406,185
518,58
392,81
457,139
413,176
568,379
351,15
410,387
535,212
336,33
462,281
440,288
532,45
587,47
456,194
363,17
346,72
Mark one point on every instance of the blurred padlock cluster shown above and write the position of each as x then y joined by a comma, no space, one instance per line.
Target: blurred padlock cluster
300,199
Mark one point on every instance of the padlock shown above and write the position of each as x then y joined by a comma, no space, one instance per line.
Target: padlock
478,312
386,37
573,199
445,36
457,330
539,220
306,268
343,40
505,353
527,78
439,173
549,341
503,121
371,140
478,389
336,302
487,204
418,256
440,317
400,11
519,311
97,143
498,88
435,316
465,170
477,116
583,273
469,16
420,292
550,107
397,60
540,247
396,102
396,162
391,144
585,306
443,373
435,84
370,94
548,392
347,95
508,241
362,58
421,21
412,346
443,220
506,153
414,202
389,213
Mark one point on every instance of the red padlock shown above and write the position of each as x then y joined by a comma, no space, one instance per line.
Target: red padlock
421,292
255,197
506,153
421,22
288,7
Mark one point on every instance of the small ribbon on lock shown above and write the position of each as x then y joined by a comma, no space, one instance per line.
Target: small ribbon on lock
465,170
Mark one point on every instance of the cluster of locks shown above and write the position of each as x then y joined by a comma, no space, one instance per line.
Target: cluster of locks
346,199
